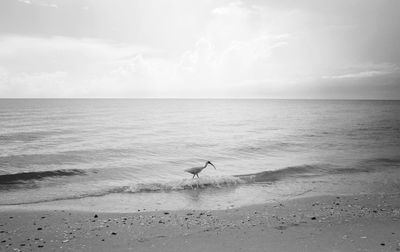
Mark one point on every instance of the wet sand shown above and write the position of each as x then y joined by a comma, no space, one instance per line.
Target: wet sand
323,223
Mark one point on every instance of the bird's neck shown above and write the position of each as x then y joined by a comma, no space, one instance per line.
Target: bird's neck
205,165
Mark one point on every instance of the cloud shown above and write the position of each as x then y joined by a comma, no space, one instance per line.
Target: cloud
202,57
30,54
34,85
41,3
364,74
365,71
207,68
65,67
44,3
236,9
25,1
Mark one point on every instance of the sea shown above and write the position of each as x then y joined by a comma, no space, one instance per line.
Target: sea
131,154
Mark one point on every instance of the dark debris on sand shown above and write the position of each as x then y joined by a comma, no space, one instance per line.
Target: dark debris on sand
73,230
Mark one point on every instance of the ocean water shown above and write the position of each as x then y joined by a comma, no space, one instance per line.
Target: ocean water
133,152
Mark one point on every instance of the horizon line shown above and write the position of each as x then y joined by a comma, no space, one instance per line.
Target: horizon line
192,98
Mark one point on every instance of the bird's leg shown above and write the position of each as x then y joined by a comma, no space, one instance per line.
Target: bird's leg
194,176
197,175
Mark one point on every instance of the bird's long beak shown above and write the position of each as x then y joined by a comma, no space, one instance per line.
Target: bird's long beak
213,165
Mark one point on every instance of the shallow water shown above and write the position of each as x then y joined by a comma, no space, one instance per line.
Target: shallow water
74,149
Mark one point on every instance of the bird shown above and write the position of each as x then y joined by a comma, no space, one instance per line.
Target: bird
196,170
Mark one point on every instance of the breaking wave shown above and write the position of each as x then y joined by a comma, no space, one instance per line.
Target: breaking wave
184,184
177,185
26,176
292,171
102,188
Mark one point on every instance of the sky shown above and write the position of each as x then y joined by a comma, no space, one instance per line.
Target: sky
300,49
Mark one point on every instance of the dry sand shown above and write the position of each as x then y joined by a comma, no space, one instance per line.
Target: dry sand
324,223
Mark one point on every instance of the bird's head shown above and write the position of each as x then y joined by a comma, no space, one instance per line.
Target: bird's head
208,162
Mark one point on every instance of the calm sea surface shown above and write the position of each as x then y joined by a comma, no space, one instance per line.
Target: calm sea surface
58,149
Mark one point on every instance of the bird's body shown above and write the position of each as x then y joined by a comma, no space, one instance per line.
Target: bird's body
196,170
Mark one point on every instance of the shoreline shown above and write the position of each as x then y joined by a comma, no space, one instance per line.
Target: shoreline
225,197
360,222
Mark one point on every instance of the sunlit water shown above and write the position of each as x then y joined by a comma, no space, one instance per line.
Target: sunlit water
132,153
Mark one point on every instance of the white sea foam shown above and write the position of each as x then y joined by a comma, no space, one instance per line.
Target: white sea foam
184,184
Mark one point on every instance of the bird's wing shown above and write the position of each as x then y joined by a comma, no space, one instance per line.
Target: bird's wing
190,170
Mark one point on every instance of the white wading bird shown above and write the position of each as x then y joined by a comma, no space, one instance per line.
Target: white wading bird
196,170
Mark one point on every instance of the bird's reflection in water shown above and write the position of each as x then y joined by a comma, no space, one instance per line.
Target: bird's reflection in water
200,197
194,195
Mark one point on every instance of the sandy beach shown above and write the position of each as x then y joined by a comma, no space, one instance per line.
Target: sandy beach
323,223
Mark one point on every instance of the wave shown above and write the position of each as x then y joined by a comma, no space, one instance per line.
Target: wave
291,171
184,184
30,136
26,176
368,165
176,185
382,161
262,147
308,170
61,158
204,182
